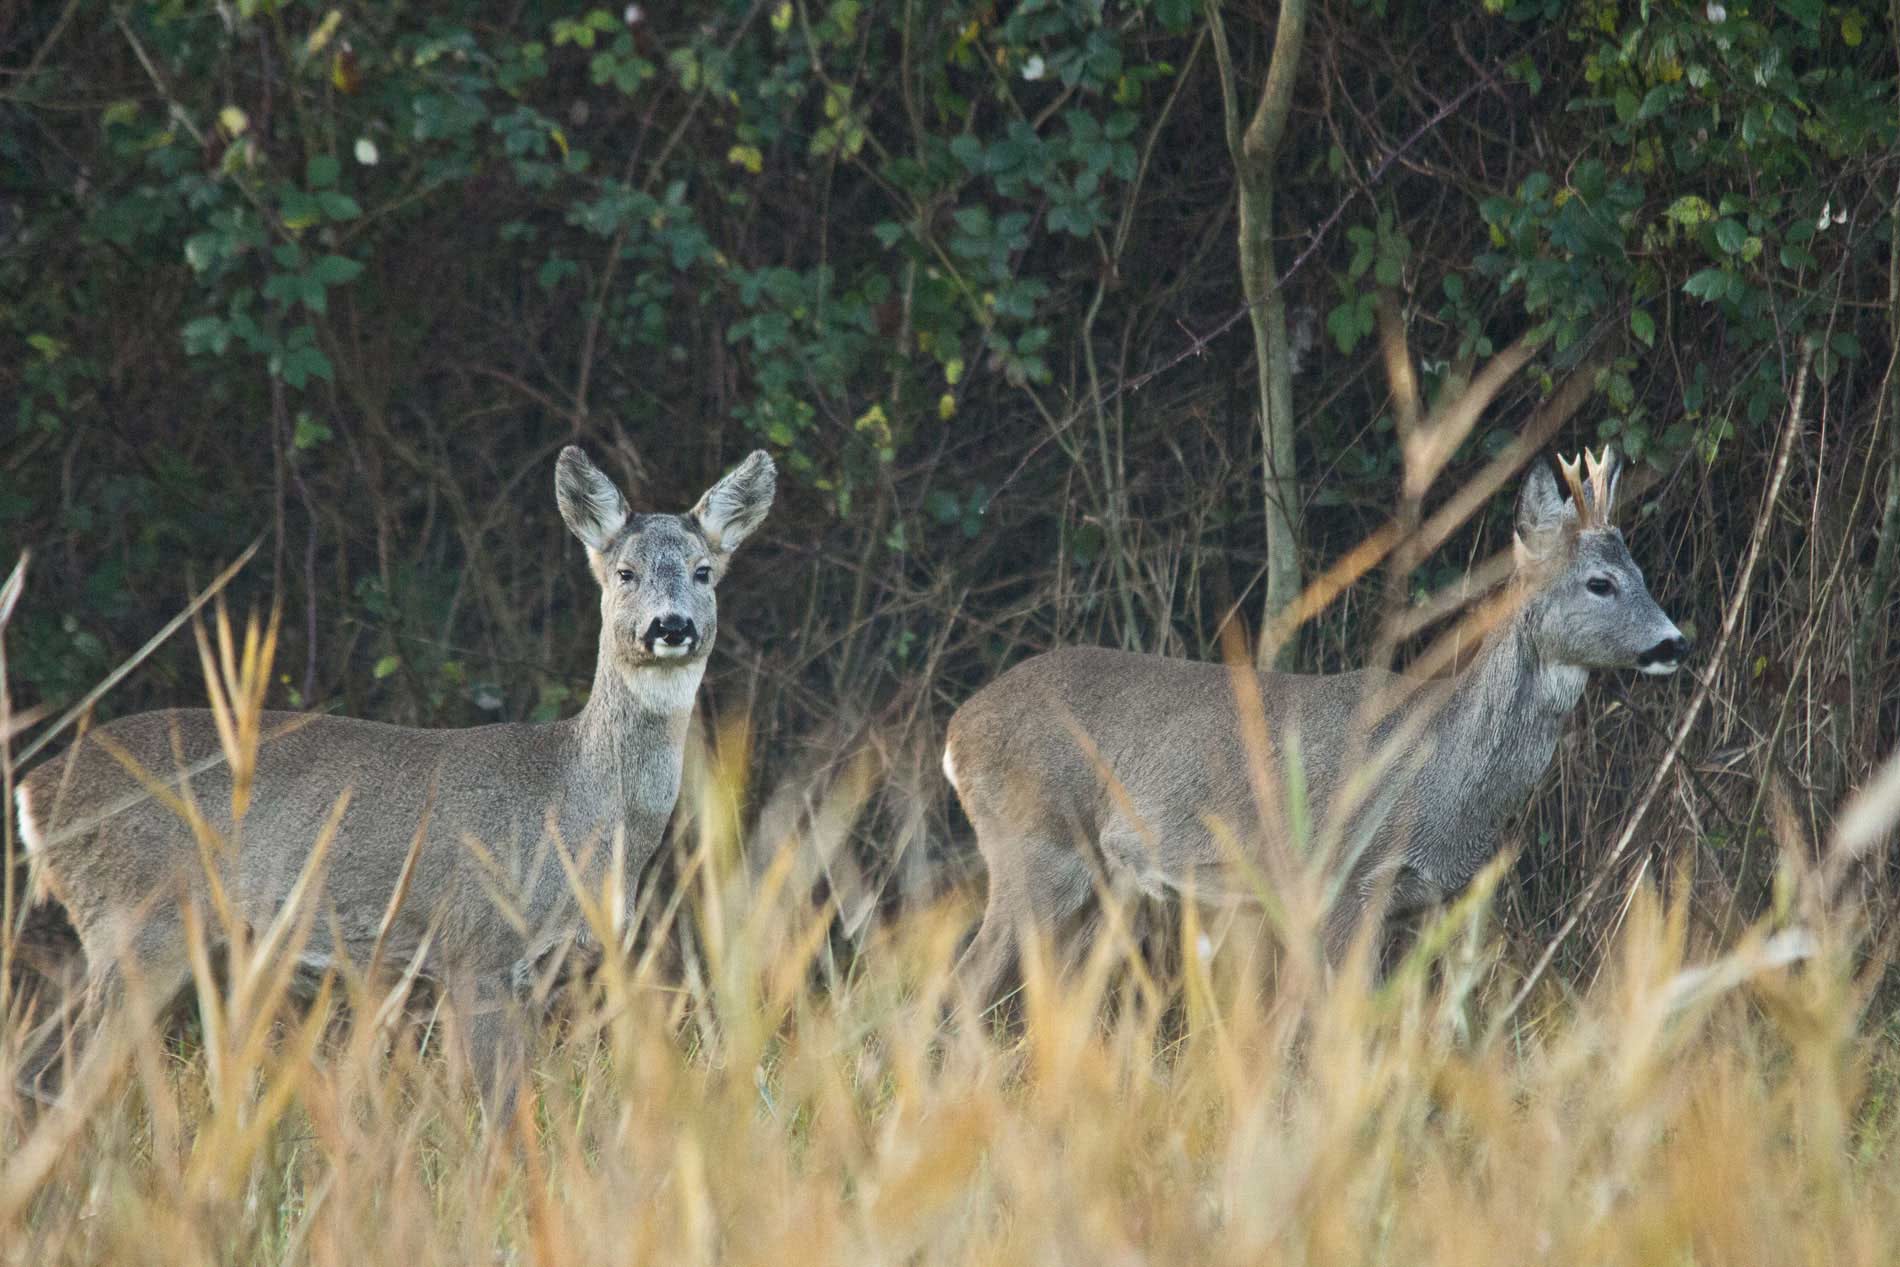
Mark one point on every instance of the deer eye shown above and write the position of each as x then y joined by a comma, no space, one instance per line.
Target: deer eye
626,576
703,574
1601,586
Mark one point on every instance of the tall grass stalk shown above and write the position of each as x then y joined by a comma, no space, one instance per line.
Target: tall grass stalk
1223,1104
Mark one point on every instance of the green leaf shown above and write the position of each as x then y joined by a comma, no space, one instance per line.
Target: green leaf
1797,257
1175,14
1643,326
299,210
966,149
1656,101
301,364
1350,322
338,206
201,251
206,334
311,293
1710,283
320,172
1689,211
309,434
335,270
283,287
1730,236
556,270
386,666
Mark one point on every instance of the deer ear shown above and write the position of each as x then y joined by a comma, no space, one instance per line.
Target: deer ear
737,504
1542,513
1611,472
1540,506
593,508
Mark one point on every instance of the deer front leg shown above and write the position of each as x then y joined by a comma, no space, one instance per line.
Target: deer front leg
1376,900
494,1043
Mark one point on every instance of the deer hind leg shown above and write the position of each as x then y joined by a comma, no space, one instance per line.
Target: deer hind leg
131,980
1038,884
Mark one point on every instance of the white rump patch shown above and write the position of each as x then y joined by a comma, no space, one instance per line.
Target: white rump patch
33,840
950,769
30,835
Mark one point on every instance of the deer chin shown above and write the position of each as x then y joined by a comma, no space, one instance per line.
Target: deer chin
1659,668
670,651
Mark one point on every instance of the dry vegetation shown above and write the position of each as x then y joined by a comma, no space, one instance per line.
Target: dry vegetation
739,1092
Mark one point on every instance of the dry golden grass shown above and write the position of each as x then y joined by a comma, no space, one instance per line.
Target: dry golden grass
1731,1111
740,1102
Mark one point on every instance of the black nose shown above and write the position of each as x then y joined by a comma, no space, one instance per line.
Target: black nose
1668,651
675,631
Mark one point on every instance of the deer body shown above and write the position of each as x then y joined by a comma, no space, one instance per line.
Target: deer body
503,811
1085,767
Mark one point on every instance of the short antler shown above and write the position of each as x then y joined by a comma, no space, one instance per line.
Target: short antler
1602,472
1599,476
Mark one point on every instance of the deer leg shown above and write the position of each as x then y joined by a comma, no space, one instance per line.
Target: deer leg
1036,883
489,1019
1377,900
48,1045
149,971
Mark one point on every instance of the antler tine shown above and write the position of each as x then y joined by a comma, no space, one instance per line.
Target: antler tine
1572,477
1600,487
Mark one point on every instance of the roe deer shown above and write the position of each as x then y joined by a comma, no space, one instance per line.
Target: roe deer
1087,765
491,809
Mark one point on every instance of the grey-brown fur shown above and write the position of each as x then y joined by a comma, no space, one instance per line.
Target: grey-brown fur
1087,766
604,780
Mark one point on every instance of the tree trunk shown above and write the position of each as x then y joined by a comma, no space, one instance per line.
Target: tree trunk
1254,151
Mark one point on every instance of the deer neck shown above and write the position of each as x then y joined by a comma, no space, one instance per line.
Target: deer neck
1512,677
1505,715
633,729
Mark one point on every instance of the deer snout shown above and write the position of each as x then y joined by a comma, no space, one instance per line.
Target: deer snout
672,635
1666,656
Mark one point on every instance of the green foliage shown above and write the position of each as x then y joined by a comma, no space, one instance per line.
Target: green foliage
1716,172
340,274
1379,256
